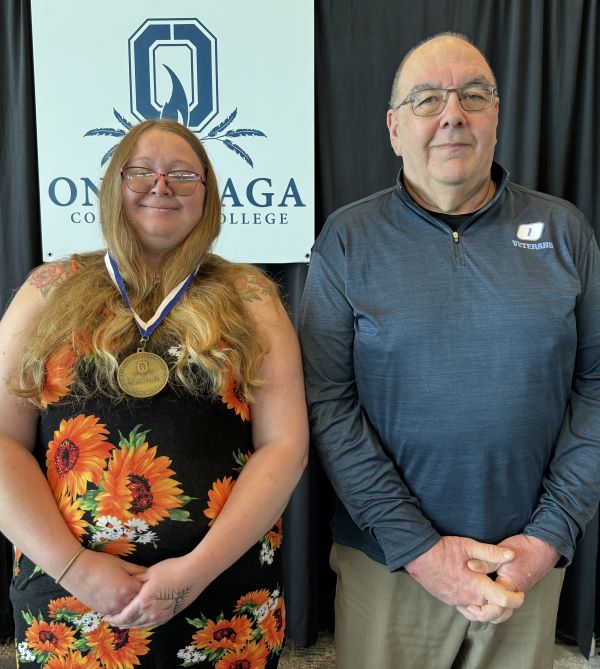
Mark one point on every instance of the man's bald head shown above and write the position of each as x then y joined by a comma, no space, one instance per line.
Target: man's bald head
395,94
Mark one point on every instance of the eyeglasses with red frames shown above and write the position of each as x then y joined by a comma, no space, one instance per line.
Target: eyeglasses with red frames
143,180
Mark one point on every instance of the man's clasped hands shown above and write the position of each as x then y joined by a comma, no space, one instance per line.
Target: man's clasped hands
460,571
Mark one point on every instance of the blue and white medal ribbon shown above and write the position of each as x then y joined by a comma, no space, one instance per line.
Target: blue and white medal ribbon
145,374
164,308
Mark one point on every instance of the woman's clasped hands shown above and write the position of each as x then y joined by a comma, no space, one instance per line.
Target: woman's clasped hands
129,595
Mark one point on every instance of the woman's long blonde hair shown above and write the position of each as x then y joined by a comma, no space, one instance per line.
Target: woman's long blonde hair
87,313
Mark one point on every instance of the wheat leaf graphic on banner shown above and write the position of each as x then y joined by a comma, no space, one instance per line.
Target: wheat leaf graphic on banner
110,132
245,132
122,120
240,152
217,129
107,155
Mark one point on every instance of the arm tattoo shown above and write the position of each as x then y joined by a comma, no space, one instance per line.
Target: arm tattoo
175,598
48,276
251,288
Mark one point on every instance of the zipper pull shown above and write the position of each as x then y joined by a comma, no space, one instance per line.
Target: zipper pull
455,237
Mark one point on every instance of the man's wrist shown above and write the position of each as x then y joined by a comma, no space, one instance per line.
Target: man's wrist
564,555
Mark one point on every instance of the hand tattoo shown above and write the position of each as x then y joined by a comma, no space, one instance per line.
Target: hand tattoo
176,599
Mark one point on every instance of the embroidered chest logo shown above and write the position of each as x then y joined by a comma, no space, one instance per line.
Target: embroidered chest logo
530,233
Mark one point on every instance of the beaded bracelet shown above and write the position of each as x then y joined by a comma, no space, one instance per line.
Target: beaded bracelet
69,564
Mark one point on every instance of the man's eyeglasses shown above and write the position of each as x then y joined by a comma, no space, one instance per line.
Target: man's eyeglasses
143,180
433,101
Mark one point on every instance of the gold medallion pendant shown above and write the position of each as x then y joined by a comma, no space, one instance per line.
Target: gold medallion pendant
142,374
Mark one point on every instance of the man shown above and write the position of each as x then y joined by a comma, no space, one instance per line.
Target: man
451,336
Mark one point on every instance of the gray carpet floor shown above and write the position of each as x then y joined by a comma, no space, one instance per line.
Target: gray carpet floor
321,656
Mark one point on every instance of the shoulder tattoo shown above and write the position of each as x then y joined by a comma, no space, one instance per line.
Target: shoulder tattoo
48,276
252,287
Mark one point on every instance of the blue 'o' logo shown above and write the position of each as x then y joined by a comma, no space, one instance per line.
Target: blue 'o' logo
173,72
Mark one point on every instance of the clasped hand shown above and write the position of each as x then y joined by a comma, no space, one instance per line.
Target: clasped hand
456,571
129,595
103,582
533,559
166,589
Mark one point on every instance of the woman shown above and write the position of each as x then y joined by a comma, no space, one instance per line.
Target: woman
132,479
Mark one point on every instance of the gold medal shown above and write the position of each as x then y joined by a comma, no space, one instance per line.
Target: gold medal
143,374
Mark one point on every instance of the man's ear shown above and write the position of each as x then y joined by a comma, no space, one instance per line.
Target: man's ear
392,124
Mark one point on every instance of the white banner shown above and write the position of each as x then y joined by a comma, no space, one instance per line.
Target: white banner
237,73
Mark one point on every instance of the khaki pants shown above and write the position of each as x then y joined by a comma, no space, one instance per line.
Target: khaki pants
388,621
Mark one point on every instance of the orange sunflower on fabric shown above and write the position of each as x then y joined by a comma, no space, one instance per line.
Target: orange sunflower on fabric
232,396
226,634
275,535
83,344
60,374
273,626
77,455
69,606
118,648
72,515
16,560
138,484
73,661
119,547
253,656
54,638
217,496
252,600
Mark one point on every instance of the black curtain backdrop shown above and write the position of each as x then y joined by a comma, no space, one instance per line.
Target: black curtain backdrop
20,238
546,56
20,241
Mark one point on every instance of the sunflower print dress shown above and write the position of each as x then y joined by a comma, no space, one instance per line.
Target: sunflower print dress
144,479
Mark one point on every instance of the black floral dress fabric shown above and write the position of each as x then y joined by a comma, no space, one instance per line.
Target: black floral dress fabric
144,479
